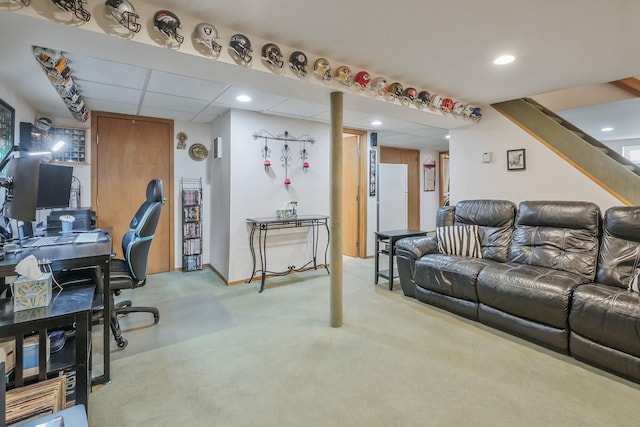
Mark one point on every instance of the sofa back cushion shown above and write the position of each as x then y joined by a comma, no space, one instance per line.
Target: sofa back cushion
619,259
557,234
494,219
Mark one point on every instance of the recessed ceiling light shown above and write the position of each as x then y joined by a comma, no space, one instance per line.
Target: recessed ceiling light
243,98
504,59
376,123
607,129
447,136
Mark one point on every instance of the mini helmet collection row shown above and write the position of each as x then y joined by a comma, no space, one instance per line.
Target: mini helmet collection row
55,65
168,23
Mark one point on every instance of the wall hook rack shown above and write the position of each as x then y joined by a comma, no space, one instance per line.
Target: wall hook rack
286,157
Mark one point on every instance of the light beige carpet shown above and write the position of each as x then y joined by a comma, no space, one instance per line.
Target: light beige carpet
275,361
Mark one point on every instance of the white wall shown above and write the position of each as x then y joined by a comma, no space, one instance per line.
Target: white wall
24,111
185,167
256,193
546,177
220,200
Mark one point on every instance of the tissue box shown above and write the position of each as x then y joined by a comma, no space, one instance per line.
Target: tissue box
29,293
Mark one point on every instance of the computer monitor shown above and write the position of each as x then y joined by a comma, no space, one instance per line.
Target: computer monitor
54,186
21,185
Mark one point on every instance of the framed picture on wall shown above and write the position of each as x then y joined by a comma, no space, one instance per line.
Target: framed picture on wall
372,173
7,130
516,159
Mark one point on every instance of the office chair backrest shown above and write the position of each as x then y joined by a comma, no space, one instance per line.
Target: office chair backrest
136,243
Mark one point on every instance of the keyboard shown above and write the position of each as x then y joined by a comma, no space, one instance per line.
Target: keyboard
48,241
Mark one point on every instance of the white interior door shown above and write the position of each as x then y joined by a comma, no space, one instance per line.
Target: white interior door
393,197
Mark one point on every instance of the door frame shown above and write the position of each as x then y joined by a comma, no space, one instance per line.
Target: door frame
168,189
363,185
411,158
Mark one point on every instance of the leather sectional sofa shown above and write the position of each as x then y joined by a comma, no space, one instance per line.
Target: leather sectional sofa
553,272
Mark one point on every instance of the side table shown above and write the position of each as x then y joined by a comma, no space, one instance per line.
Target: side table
386,245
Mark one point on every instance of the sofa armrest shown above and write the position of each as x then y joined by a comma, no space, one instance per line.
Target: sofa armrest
409,250
418,246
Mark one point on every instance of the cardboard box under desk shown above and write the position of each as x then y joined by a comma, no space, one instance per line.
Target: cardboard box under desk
29,355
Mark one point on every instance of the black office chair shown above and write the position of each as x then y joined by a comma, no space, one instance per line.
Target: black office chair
131,272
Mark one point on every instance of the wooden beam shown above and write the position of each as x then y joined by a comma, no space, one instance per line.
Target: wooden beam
630,85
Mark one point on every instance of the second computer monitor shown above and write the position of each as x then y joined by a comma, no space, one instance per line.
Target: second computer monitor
54,186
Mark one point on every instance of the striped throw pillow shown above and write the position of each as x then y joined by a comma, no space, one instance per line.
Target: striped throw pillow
459,240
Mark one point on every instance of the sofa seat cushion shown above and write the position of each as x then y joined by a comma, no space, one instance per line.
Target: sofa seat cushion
534,293
607,315
450,275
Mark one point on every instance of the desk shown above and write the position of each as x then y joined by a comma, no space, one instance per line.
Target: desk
389,239
263,225
93,255
73,305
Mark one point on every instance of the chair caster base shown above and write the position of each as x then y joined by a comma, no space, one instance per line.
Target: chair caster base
122,343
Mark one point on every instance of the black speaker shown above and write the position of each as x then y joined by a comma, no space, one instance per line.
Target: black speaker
374,139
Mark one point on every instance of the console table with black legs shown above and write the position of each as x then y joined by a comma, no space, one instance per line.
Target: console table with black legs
388,240
263,225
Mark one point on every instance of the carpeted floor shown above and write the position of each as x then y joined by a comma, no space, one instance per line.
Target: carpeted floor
229,356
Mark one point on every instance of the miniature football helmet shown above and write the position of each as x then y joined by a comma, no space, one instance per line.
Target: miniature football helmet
422,100
74,6
436,102
123,13
272,54
322,68
48,58
476,113
43,123
168,24
458,108
68,91
240,47
379,86
447,105
344,75
362,80
207,35
408,96
298,63
394,91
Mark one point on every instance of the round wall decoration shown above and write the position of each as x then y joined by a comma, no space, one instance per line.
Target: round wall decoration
198,152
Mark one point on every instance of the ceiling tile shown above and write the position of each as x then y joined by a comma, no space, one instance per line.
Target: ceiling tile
165,113
188,87
204,118
108,92
101,105
108,72
214,109
260,100
300,108
348,116
175,103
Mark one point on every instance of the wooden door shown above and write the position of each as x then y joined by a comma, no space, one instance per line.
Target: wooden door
127,152
350,197
411,158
